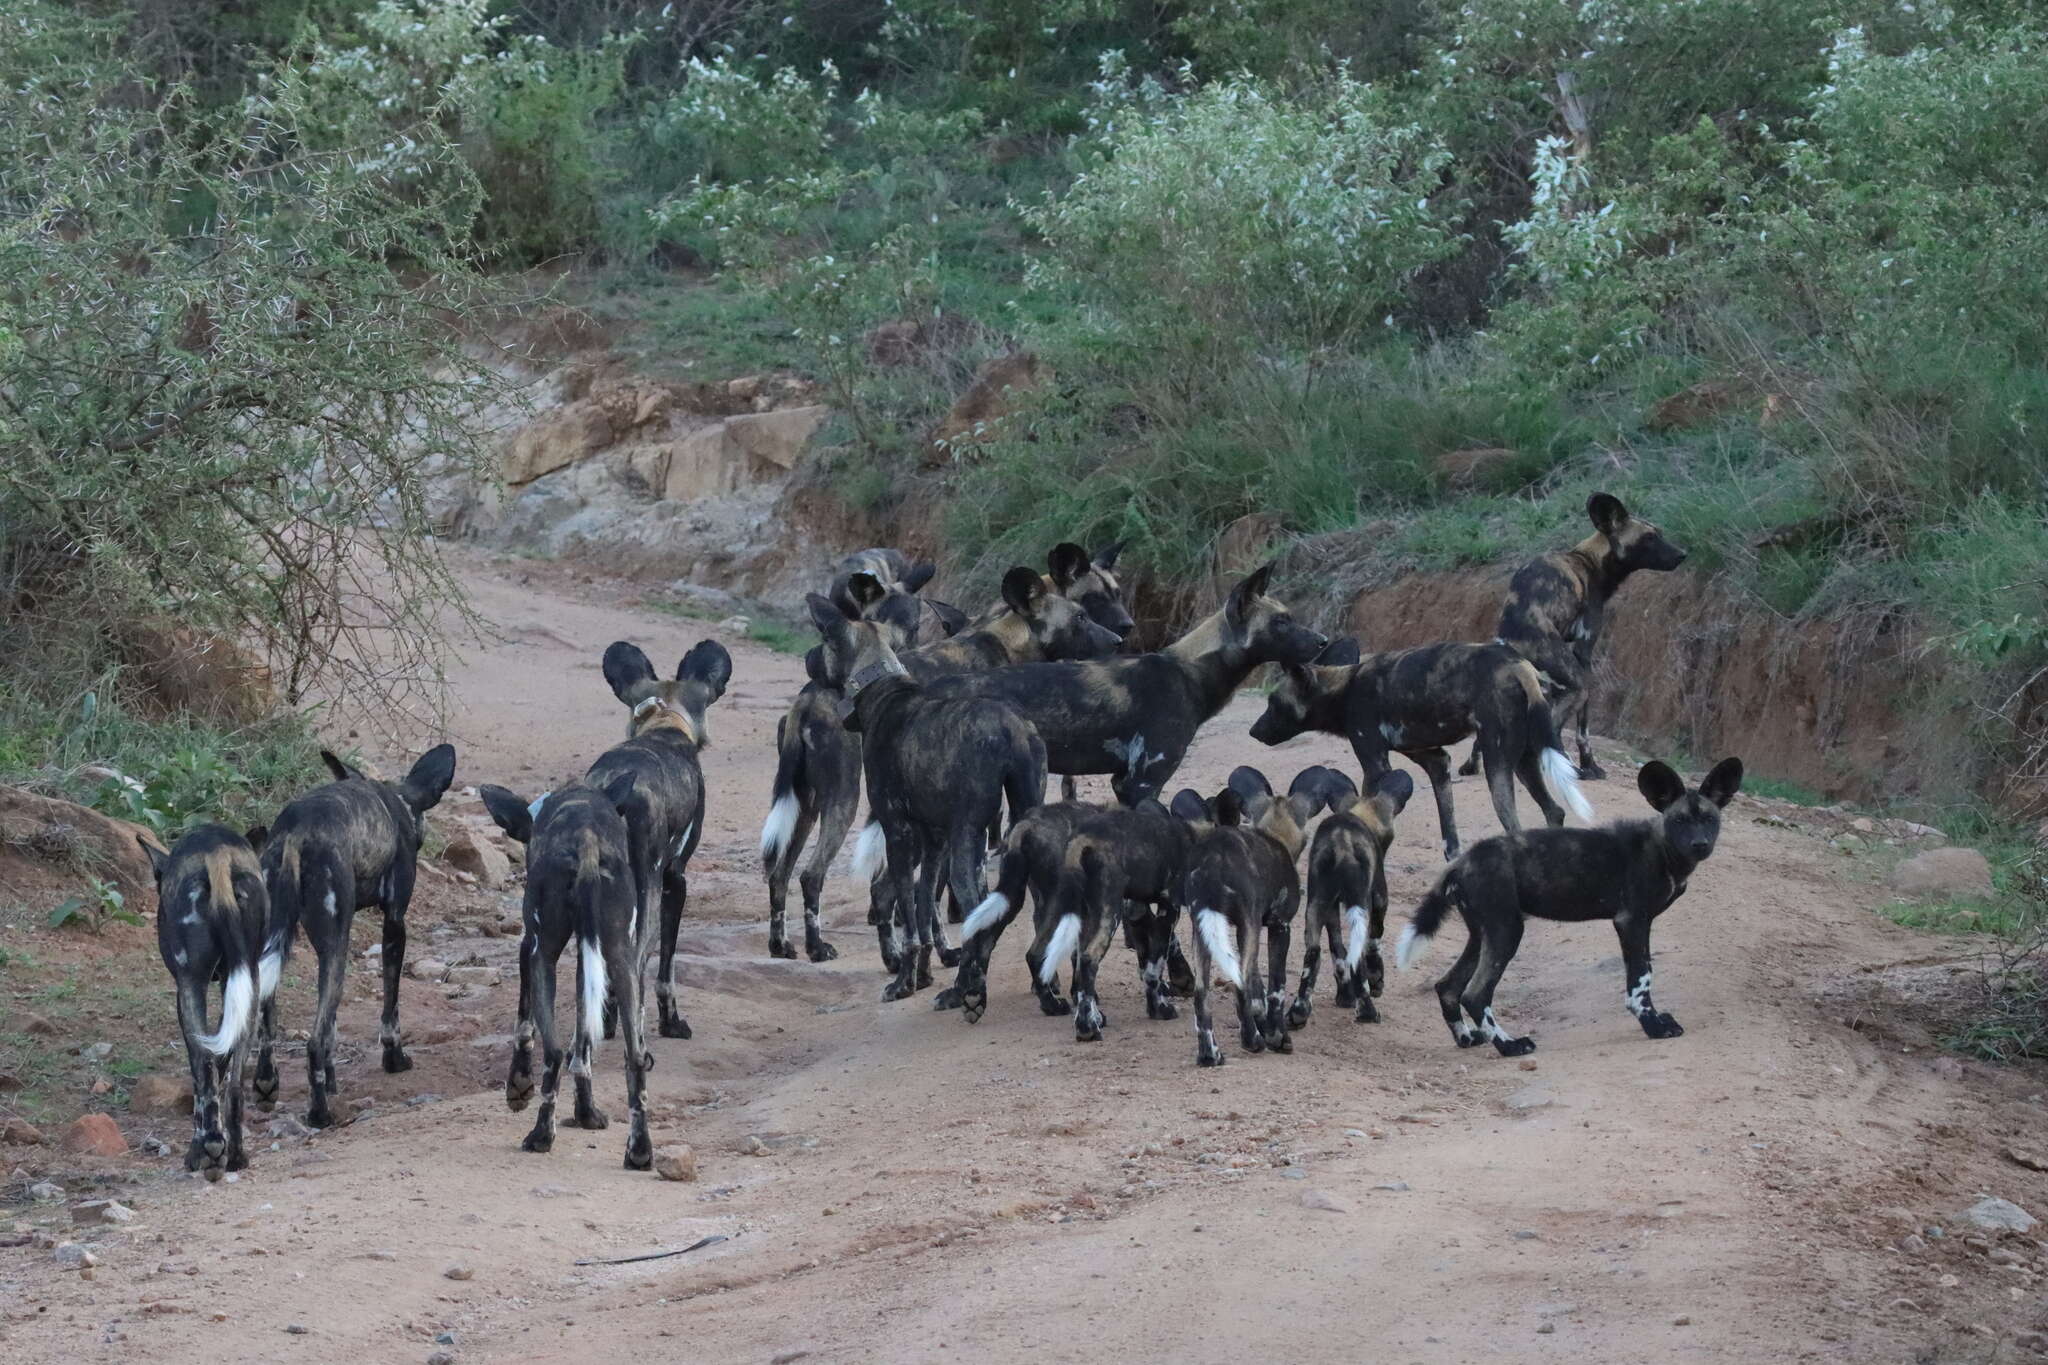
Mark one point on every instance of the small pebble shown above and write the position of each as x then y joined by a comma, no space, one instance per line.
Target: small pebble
297,1329
458,1272
1681,1321
1544,1329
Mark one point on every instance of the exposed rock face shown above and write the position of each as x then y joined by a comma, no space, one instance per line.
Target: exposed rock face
58,829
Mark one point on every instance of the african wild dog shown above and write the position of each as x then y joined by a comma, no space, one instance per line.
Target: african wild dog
579,886
1557,604
344,847
1347,887
663,800
900,576
1416,701
1145,850
1629,872
1135,715
212,913
1241,879
817,776
938,771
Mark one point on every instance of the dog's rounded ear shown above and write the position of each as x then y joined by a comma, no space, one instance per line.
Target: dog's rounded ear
1342,652
1023,590
1249,782
1391,792
849,715
1105,559
952,620
258,836
423,787
1325,787
618,791
864,590
1228,807
828,618
708,662
629,671
512,812
815,668
918,575
1723,782
1606,513
1068,562
342,771
158,858
1238,609
1659,785
1189,805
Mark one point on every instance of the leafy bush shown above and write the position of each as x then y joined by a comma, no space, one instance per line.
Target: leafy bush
1232,221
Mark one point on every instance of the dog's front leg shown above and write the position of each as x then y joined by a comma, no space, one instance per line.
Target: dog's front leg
1635,959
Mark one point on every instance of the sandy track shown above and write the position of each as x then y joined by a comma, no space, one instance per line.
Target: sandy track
933,1189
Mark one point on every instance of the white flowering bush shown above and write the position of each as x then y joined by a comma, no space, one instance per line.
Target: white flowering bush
1233,219
742,120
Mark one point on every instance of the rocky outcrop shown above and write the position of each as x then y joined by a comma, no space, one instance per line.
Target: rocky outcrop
59,830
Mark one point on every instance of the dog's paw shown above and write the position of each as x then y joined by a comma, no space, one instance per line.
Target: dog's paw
1515,1047
821,951
781,947
1662,1026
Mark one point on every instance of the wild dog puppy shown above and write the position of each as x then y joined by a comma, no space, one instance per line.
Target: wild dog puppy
1241,879
212,914
1347,887
1134,716
344,847
663,801
900,576
1415,702
818,760
1557,604
938,771
579,885
1629,872
1144,850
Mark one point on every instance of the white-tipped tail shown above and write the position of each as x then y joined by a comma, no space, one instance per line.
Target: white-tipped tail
1065,935
1354,935
236,1000
1410,945
1215,931
992,908
594,989
775,832
1561,775
870,851
268,969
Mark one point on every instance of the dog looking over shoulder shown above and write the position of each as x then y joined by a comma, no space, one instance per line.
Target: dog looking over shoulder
1629,872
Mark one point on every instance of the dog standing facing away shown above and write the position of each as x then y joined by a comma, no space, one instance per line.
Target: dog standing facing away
1557,604
579,885
1416,701
663,793
1629,872
1241,879
344,847
938,772
1347,888
212,914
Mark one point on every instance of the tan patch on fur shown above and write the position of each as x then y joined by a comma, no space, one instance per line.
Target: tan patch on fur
220,876
1532,683
656,713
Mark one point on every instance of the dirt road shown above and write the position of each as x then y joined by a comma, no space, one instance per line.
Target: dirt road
923,1189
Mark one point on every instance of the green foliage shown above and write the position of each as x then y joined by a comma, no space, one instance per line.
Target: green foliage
100,903
222,401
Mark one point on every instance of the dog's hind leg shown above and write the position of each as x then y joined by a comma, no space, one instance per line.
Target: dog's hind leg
1317,922
265,1083
623,958
1154,931
541,1012
833,823
231,1115
1635,957
519,1079
1279,937
1500,779
208,1145
1206,1051
1498,942
398,898
899,892
1530,769
1436,765
1451,985
333,958
780,869
675,893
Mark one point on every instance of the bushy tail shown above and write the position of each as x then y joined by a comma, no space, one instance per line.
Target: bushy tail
237,1002
1560,774
286,893
992,908
1427,919
870,851
1354,935
789,770
1066,935
593,985
1214,927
